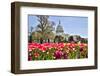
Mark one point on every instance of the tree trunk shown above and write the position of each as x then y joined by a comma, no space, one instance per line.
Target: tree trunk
30,40
41,40
48,40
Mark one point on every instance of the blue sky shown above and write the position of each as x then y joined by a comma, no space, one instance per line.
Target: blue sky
73,25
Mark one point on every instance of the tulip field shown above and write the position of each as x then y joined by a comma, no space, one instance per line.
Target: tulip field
54,51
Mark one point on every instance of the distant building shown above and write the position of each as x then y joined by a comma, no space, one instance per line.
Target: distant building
66,36
59,30
60,35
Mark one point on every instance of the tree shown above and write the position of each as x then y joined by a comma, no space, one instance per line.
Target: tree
71,39
84,40
45,27
30,34
36,36
74,38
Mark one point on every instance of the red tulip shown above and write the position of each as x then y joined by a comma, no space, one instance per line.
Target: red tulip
29,58
36,55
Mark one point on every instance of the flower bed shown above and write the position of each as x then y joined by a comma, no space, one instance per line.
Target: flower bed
53,51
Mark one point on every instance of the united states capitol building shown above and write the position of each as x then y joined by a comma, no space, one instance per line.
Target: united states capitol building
66,37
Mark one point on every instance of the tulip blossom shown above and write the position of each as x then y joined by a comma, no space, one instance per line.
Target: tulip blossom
56,51
36,55
58,54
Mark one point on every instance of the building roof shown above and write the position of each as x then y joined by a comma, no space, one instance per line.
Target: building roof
59,28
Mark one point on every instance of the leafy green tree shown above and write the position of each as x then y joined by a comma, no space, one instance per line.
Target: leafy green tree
45,27
36,37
